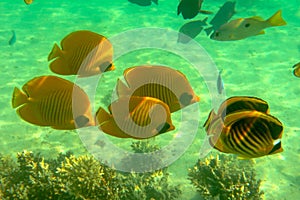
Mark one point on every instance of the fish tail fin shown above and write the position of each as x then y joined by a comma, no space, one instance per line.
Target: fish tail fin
122,88
55,52
208,30
205,21
102,116
276,19
18,98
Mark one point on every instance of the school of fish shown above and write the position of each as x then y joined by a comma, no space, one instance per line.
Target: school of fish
149,94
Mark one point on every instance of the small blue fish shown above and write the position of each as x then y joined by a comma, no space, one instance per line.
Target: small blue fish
220,84
13,38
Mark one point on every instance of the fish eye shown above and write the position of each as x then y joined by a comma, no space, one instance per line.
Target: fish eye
217,34
185,99
81,121
247,25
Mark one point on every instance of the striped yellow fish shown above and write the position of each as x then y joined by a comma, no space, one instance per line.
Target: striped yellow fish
164,83
249,132
238,103
296,70
246,27
47,101
82,53
135,117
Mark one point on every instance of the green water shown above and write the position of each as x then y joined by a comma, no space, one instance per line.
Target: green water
258,66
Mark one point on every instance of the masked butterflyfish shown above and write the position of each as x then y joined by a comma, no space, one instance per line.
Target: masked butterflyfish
164,83
245,27
82,53
249,134
135,117
47,101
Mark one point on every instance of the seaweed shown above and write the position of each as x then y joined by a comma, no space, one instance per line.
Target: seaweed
82,177
224,177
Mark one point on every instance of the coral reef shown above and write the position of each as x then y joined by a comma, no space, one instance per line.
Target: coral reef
224,177
83,177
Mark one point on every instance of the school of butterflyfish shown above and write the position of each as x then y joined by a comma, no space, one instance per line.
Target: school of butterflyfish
146,99
149,94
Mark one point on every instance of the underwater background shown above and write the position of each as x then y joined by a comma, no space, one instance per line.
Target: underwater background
258,66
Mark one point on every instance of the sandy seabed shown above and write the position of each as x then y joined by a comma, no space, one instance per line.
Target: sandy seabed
259,66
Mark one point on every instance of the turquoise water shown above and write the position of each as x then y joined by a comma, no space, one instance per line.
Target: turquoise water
258,66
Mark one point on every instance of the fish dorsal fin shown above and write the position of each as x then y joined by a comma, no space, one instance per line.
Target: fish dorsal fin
45,84
78,37
257,18
240,103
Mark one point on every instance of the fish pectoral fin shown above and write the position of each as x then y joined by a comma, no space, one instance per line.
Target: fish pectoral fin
258,18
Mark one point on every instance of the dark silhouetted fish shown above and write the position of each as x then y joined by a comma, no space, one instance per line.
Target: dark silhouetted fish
13,38
143,2
296,70
190,8
223,16
220,84
190,30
